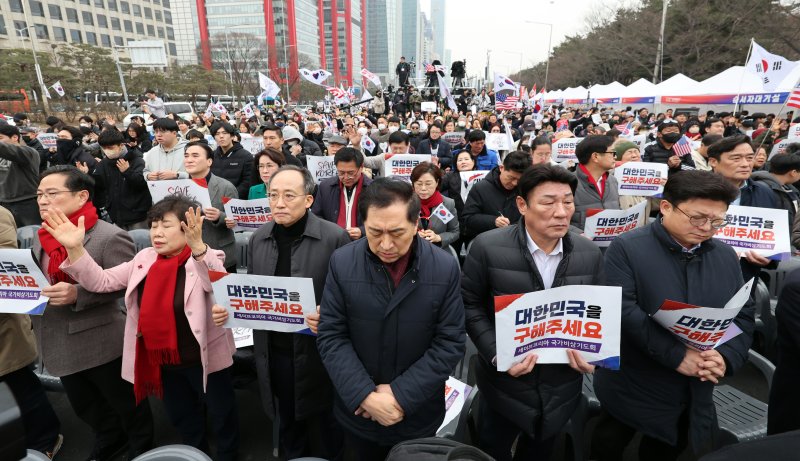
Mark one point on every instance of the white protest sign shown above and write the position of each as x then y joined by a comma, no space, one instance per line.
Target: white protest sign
242,337
187,187
640,140
606,225
253,144
454,138
21,283
400,165
641,178
468,180
248,214
321,167
564,150
48,140
584,318
780,147
497,141
428,106
455,396
597,119
703,328
794,131
262,302
763,230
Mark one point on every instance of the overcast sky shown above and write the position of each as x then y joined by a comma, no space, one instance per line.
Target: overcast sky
473,26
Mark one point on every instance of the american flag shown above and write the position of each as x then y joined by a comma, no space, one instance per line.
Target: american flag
429,67
624,128
682,147
794,98
505,102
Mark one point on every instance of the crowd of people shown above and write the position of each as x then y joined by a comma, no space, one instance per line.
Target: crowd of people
393,310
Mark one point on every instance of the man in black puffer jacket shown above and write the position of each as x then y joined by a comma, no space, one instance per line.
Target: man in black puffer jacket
231,161
536,254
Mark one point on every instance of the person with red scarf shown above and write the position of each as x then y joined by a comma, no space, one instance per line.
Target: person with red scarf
79,336
336,199
438,222
172,348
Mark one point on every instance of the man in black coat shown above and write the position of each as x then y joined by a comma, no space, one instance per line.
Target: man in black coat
291,377
231,161
784,401
536,254
337,198
664,388
392,325
492,202
660,150
402,70
436,147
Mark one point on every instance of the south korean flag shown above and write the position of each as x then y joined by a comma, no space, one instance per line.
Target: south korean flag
367,144
443,214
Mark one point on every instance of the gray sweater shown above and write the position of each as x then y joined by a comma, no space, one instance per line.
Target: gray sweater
587,197
19,172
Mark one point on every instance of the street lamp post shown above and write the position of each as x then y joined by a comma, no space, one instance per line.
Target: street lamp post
42,88
549,44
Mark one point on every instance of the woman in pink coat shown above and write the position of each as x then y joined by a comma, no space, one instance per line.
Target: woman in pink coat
172,348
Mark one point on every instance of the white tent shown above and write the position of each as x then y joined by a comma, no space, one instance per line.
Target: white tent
639,88
575,93
730,81
678,84
612,90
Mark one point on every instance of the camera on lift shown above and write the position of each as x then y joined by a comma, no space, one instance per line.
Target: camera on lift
458,70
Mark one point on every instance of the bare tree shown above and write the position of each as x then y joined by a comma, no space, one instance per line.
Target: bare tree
240,57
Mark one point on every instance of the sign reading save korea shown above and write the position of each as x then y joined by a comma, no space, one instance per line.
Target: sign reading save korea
196,189
547,323
262,302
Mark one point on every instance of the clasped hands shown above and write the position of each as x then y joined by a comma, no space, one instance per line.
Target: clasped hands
707,365
381,407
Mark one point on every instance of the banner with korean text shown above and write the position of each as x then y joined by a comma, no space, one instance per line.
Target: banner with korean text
21,283
763,230
321,167
547,323
564,150
248,214
454,138
455,396
605,225
641,178
262,302
703,328
400,165
196,190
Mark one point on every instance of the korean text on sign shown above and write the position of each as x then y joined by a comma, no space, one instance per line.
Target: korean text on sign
248,214
21,283
265,303
763,230
641,178
606,225
401,165
583,318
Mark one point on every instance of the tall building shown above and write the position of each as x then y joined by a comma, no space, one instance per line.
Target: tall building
103,23
411,31
343,39
427,52
438,22
185,22
383,31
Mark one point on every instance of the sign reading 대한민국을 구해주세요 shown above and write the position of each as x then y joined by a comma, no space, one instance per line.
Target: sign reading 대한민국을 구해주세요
21,283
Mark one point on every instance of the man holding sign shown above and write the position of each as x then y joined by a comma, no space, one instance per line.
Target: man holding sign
536,254
664,388
297,243
337,197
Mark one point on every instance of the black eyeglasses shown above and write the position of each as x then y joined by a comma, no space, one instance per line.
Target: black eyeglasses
700,221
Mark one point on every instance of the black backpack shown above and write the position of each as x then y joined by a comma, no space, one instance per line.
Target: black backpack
435,449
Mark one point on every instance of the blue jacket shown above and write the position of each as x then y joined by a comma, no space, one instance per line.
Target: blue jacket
647,393
485,161
410,337
445,152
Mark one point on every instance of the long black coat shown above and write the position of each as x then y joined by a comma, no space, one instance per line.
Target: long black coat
499,263
647,393
410,337
487,200
784,401
125,194
313,392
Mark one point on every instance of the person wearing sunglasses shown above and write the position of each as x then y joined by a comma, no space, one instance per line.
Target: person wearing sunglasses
663,388
597,189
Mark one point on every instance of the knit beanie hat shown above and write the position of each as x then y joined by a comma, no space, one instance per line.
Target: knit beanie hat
622,147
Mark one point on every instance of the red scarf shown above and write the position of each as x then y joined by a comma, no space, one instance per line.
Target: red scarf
56,252
341,221
596,183
430,204
157,338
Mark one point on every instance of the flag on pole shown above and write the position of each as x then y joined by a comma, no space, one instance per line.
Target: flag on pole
794,97
533,92
365,96
502,101
770,68
502,82
371,77
59,89
315,76
509,135
248,110
624,128
444,90
367,144
682,147
339,95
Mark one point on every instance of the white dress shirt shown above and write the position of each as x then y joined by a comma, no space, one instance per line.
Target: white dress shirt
546,263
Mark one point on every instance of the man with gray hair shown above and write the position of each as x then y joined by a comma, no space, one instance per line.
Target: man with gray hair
296,243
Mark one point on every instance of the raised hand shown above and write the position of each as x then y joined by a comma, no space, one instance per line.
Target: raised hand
193,230
62,229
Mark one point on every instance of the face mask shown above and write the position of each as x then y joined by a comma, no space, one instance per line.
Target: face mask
462,124
292,142
66,146
393,128
280,124
415,130
362,131
671,138
86,125
381,126
115,154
